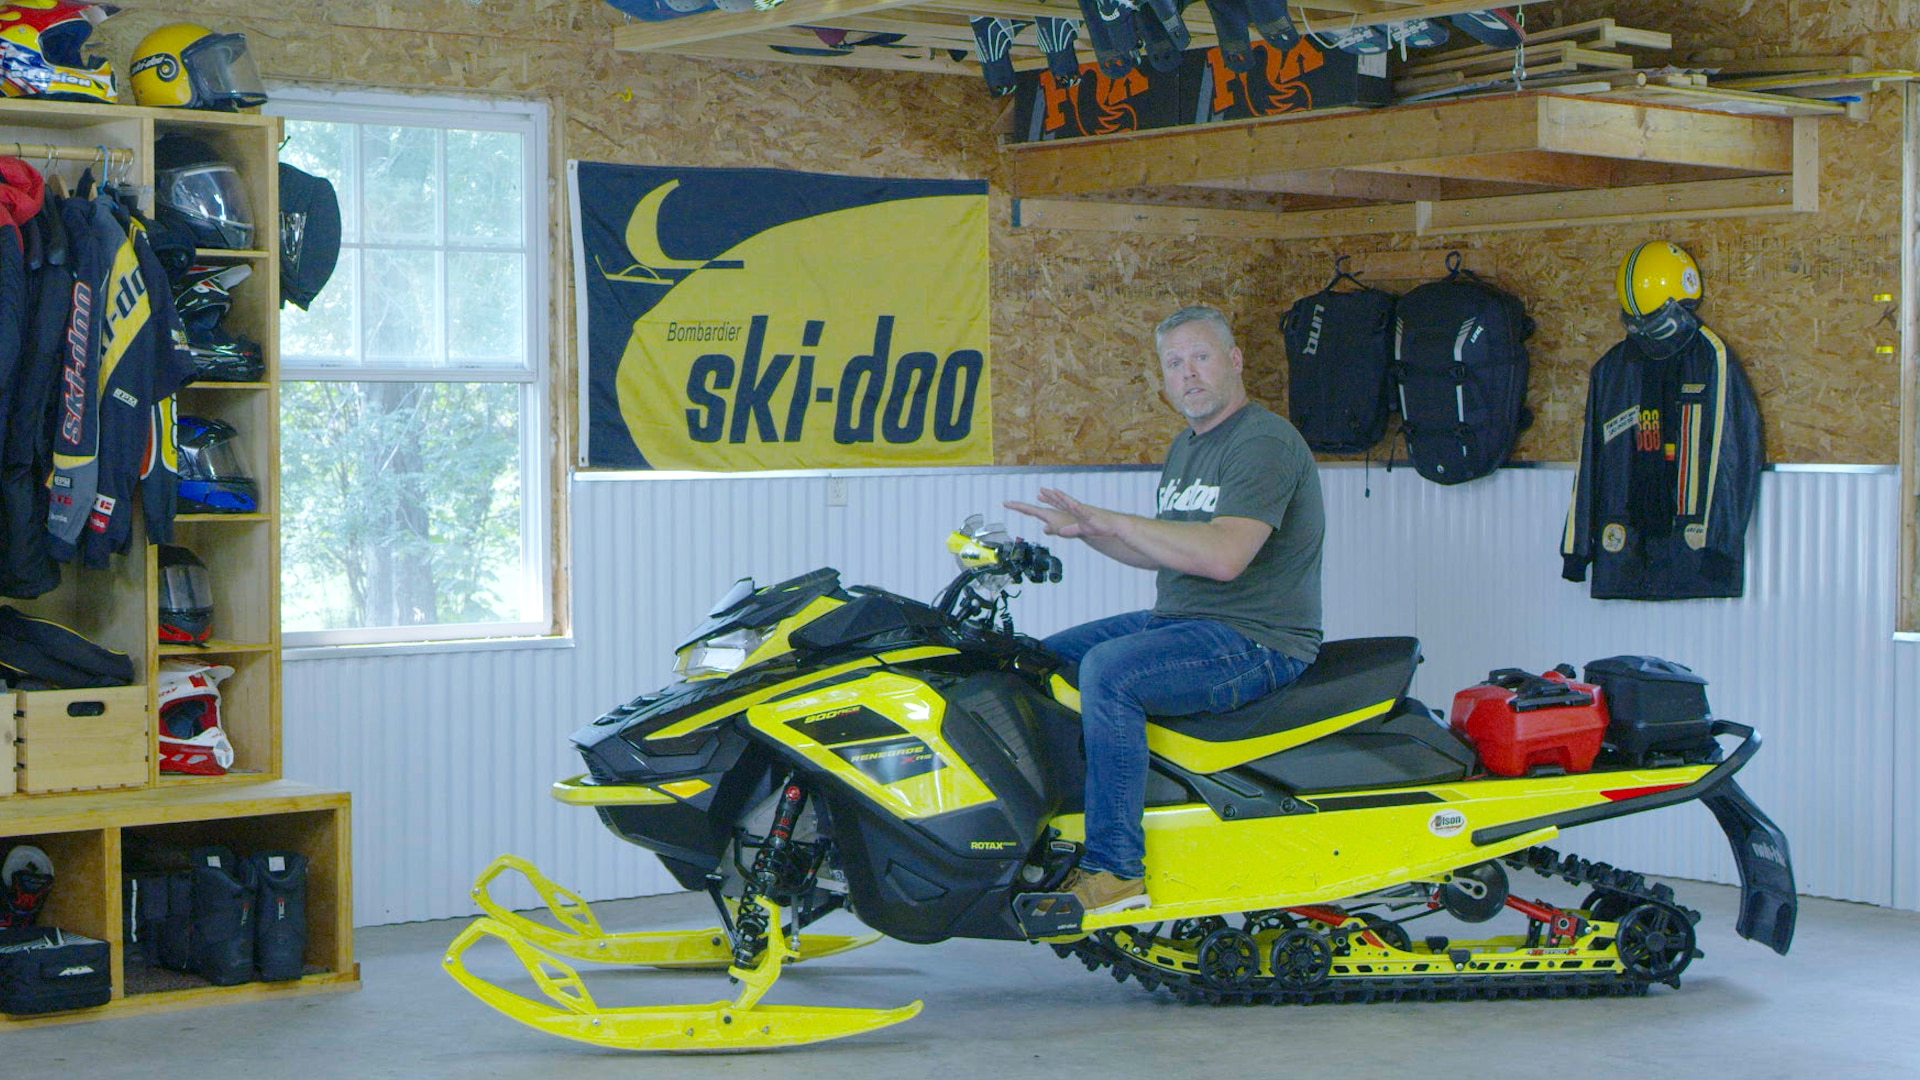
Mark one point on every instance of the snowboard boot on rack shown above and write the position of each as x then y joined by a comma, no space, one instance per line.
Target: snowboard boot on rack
280,942
26,879
223,917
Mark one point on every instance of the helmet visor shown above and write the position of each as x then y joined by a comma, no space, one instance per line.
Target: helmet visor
185,587
213,195
215,461
223,72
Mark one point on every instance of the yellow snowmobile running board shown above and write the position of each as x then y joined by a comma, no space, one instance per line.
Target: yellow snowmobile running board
740,1024
581,937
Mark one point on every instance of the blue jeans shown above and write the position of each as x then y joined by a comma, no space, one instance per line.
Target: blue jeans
1140,663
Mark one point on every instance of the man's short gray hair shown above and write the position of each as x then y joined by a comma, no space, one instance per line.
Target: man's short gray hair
1200,313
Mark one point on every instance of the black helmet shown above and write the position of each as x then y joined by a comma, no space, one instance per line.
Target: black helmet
186,597
203,295
309,234
194,187
212,480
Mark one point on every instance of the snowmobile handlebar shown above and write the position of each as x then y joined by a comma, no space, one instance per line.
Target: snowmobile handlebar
1016,560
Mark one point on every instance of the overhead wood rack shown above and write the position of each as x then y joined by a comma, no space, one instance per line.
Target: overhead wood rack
934,27
1529,160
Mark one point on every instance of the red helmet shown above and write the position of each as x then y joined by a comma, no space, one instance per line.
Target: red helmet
40,42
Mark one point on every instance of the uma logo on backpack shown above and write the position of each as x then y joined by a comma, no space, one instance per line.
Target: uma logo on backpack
1460,375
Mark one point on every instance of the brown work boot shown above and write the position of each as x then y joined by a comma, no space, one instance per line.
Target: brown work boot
1100,892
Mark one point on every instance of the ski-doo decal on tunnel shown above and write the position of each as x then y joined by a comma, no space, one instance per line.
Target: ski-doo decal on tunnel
892,761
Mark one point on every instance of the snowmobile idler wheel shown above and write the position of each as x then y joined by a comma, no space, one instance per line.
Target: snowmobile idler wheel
1475,894
1229,959
1390,933
1655,942
1196,929
1606,905
1273,919
1301,960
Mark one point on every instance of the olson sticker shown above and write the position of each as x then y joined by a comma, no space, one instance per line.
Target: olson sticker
1446,822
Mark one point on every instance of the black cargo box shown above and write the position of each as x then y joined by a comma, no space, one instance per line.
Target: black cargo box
1654,706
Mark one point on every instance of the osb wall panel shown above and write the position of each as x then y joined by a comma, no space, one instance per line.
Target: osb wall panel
1793,296
1074,380
1072,314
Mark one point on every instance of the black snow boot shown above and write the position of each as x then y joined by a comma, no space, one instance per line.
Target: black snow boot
280,944
223,917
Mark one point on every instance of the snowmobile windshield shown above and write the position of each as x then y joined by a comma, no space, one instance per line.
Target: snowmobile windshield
185,587
765,607
212,195
224,72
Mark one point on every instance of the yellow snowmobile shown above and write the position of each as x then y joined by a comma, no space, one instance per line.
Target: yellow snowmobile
919,766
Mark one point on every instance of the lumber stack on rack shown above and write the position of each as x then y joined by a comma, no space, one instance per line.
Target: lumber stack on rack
1603,58
1584,52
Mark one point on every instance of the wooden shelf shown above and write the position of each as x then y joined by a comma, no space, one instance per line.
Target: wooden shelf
231,254
1535,159
237,776
234,518
216,646
215,384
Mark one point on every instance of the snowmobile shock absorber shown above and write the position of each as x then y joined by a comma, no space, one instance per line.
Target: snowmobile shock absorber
1560,925
769,868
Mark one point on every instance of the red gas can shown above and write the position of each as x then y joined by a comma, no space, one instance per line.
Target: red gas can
1517,720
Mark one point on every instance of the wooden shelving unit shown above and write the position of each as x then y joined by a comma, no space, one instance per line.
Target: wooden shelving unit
86,835
250,808
1535,159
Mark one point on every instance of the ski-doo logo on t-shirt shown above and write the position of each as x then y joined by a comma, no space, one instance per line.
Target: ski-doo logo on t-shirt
1195,496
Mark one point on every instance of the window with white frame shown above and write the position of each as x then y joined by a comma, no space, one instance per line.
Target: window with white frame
413,415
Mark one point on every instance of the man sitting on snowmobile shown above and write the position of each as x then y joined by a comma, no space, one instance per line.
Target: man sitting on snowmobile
1235,540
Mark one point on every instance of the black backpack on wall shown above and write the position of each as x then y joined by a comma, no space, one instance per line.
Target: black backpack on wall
1460,370
1339,345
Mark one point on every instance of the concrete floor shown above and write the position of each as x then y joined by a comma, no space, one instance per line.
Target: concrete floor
1842,1005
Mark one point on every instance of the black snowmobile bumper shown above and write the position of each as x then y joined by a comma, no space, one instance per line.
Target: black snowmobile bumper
1768,903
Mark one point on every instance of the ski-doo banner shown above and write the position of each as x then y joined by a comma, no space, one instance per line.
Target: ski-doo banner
741,319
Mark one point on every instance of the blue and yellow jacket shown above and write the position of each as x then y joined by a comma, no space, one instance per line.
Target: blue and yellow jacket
1669,473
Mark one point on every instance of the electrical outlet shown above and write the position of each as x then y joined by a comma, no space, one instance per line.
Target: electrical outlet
836,491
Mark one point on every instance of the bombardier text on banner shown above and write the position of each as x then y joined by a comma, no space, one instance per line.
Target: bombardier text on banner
741,319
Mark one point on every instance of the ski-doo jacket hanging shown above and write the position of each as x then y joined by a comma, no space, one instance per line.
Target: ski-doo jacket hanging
1669,471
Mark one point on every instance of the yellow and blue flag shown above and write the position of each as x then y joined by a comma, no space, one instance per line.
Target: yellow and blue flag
740,319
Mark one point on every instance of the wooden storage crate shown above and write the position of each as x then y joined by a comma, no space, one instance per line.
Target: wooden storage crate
70,740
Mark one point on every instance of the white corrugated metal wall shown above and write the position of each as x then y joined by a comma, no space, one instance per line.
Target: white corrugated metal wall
449,755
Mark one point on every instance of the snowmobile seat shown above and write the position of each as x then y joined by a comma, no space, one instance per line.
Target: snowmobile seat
1348,675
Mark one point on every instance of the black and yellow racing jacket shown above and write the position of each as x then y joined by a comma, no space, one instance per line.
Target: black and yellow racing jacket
1669,473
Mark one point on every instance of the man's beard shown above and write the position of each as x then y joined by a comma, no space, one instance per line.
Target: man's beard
1207,404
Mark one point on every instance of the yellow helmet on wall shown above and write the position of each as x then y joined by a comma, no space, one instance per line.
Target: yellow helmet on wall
187,66
1654,273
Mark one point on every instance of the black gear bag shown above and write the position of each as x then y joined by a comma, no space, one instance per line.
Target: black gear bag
1339,346
43,969
1460,369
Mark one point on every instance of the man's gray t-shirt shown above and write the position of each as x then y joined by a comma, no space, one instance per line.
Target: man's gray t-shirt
1254,464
